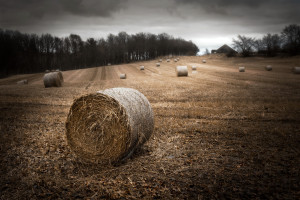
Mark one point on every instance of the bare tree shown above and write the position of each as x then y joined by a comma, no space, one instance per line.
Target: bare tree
291,39
244,45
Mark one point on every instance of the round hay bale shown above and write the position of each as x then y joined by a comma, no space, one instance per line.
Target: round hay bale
296,70
60,76
52,79
47,71
204,61
182,71
122,76
242,69
168,60
108,126
175,60
142,67
109,64
157,64
194,67
22,82
268,68
160,60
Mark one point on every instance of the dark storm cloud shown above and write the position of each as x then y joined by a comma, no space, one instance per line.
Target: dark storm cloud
276,10
14,12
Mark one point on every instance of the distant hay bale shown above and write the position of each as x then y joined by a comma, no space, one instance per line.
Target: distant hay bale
142,67
175,60
22,82
194,72
296,70
53,79
168,60
160,60
157,64
268,68
204,61
109,64
108,126
122,76
182,71
242,69
194,67
47,71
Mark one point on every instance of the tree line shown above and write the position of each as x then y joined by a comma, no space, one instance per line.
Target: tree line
286,43
31,53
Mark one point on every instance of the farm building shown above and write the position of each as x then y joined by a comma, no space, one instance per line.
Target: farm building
224,49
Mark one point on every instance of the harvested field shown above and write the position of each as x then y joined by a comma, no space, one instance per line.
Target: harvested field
219,134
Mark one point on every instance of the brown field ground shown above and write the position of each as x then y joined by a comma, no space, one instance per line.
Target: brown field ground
219,134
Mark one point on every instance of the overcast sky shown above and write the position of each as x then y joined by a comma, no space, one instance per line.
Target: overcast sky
208,23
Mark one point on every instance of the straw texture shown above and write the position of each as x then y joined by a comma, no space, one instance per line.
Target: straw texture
106,127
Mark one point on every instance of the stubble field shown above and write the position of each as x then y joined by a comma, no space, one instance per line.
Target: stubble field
218,133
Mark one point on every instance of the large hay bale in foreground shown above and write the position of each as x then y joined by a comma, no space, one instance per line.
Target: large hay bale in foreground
106,127
194,67
242,69
60,76
296,70
157,64
182,71
142,67
22,82
53,79
268,68
122,76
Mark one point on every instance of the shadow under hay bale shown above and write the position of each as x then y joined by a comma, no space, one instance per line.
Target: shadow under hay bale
122,76
296,70
53,79
182,71
22,82
242,69
108,126
268,68
142,67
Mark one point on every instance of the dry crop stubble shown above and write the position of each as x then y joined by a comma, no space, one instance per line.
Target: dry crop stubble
217,135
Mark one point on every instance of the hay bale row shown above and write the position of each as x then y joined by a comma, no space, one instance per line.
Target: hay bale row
296,70
53,79
22,82
142,67
241,69
268,68
108,126
182,70
122,76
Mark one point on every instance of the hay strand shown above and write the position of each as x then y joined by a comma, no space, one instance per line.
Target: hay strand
182,71
268,68
242,69
122,76
53,79
106,127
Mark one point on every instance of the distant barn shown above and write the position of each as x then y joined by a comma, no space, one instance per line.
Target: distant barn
224,49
